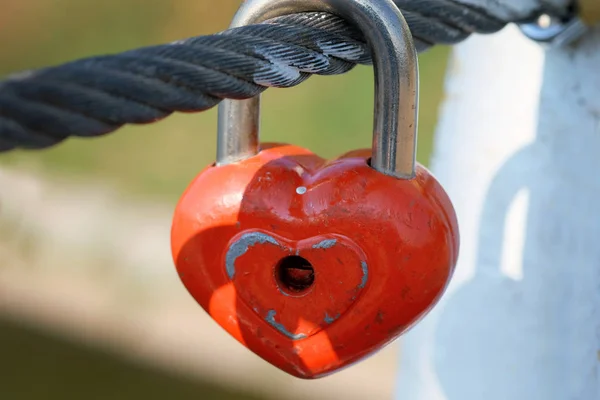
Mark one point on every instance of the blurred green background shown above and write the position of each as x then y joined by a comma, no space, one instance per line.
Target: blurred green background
330,115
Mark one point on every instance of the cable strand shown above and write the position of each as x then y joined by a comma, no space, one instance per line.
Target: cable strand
98,95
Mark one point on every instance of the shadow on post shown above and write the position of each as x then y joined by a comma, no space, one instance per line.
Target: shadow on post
523,339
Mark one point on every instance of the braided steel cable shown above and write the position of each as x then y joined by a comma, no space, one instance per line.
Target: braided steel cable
98,95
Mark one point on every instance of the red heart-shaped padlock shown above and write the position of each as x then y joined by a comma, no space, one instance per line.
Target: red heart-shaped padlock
314,265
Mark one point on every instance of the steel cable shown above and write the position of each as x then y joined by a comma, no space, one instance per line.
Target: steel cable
98,95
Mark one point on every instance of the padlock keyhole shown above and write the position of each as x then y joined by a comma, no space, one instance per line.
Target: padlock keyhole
295,274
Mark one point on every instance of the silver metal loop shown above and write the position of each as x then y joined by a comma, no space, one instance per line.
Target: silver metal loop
396,82
553,32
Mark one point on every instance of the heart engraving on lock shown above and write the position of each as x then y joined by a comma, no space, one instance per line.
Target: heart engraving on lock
290,284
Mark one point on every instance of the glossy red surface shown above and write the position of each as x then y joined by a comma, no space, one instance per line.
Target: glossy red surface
382,249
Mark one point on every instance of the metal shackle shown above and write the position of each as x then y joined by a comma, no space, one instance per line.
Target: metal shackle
396,69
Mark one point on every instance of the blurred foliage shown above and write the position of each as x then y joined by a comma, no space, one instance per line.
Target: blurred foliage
330,115
57,369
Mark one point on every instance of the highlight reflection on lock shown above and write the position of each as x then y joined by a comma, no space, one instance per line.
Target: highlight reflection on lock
315,264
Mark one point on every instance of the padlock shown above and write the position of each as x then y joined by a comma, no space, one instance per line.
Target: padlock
313,264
